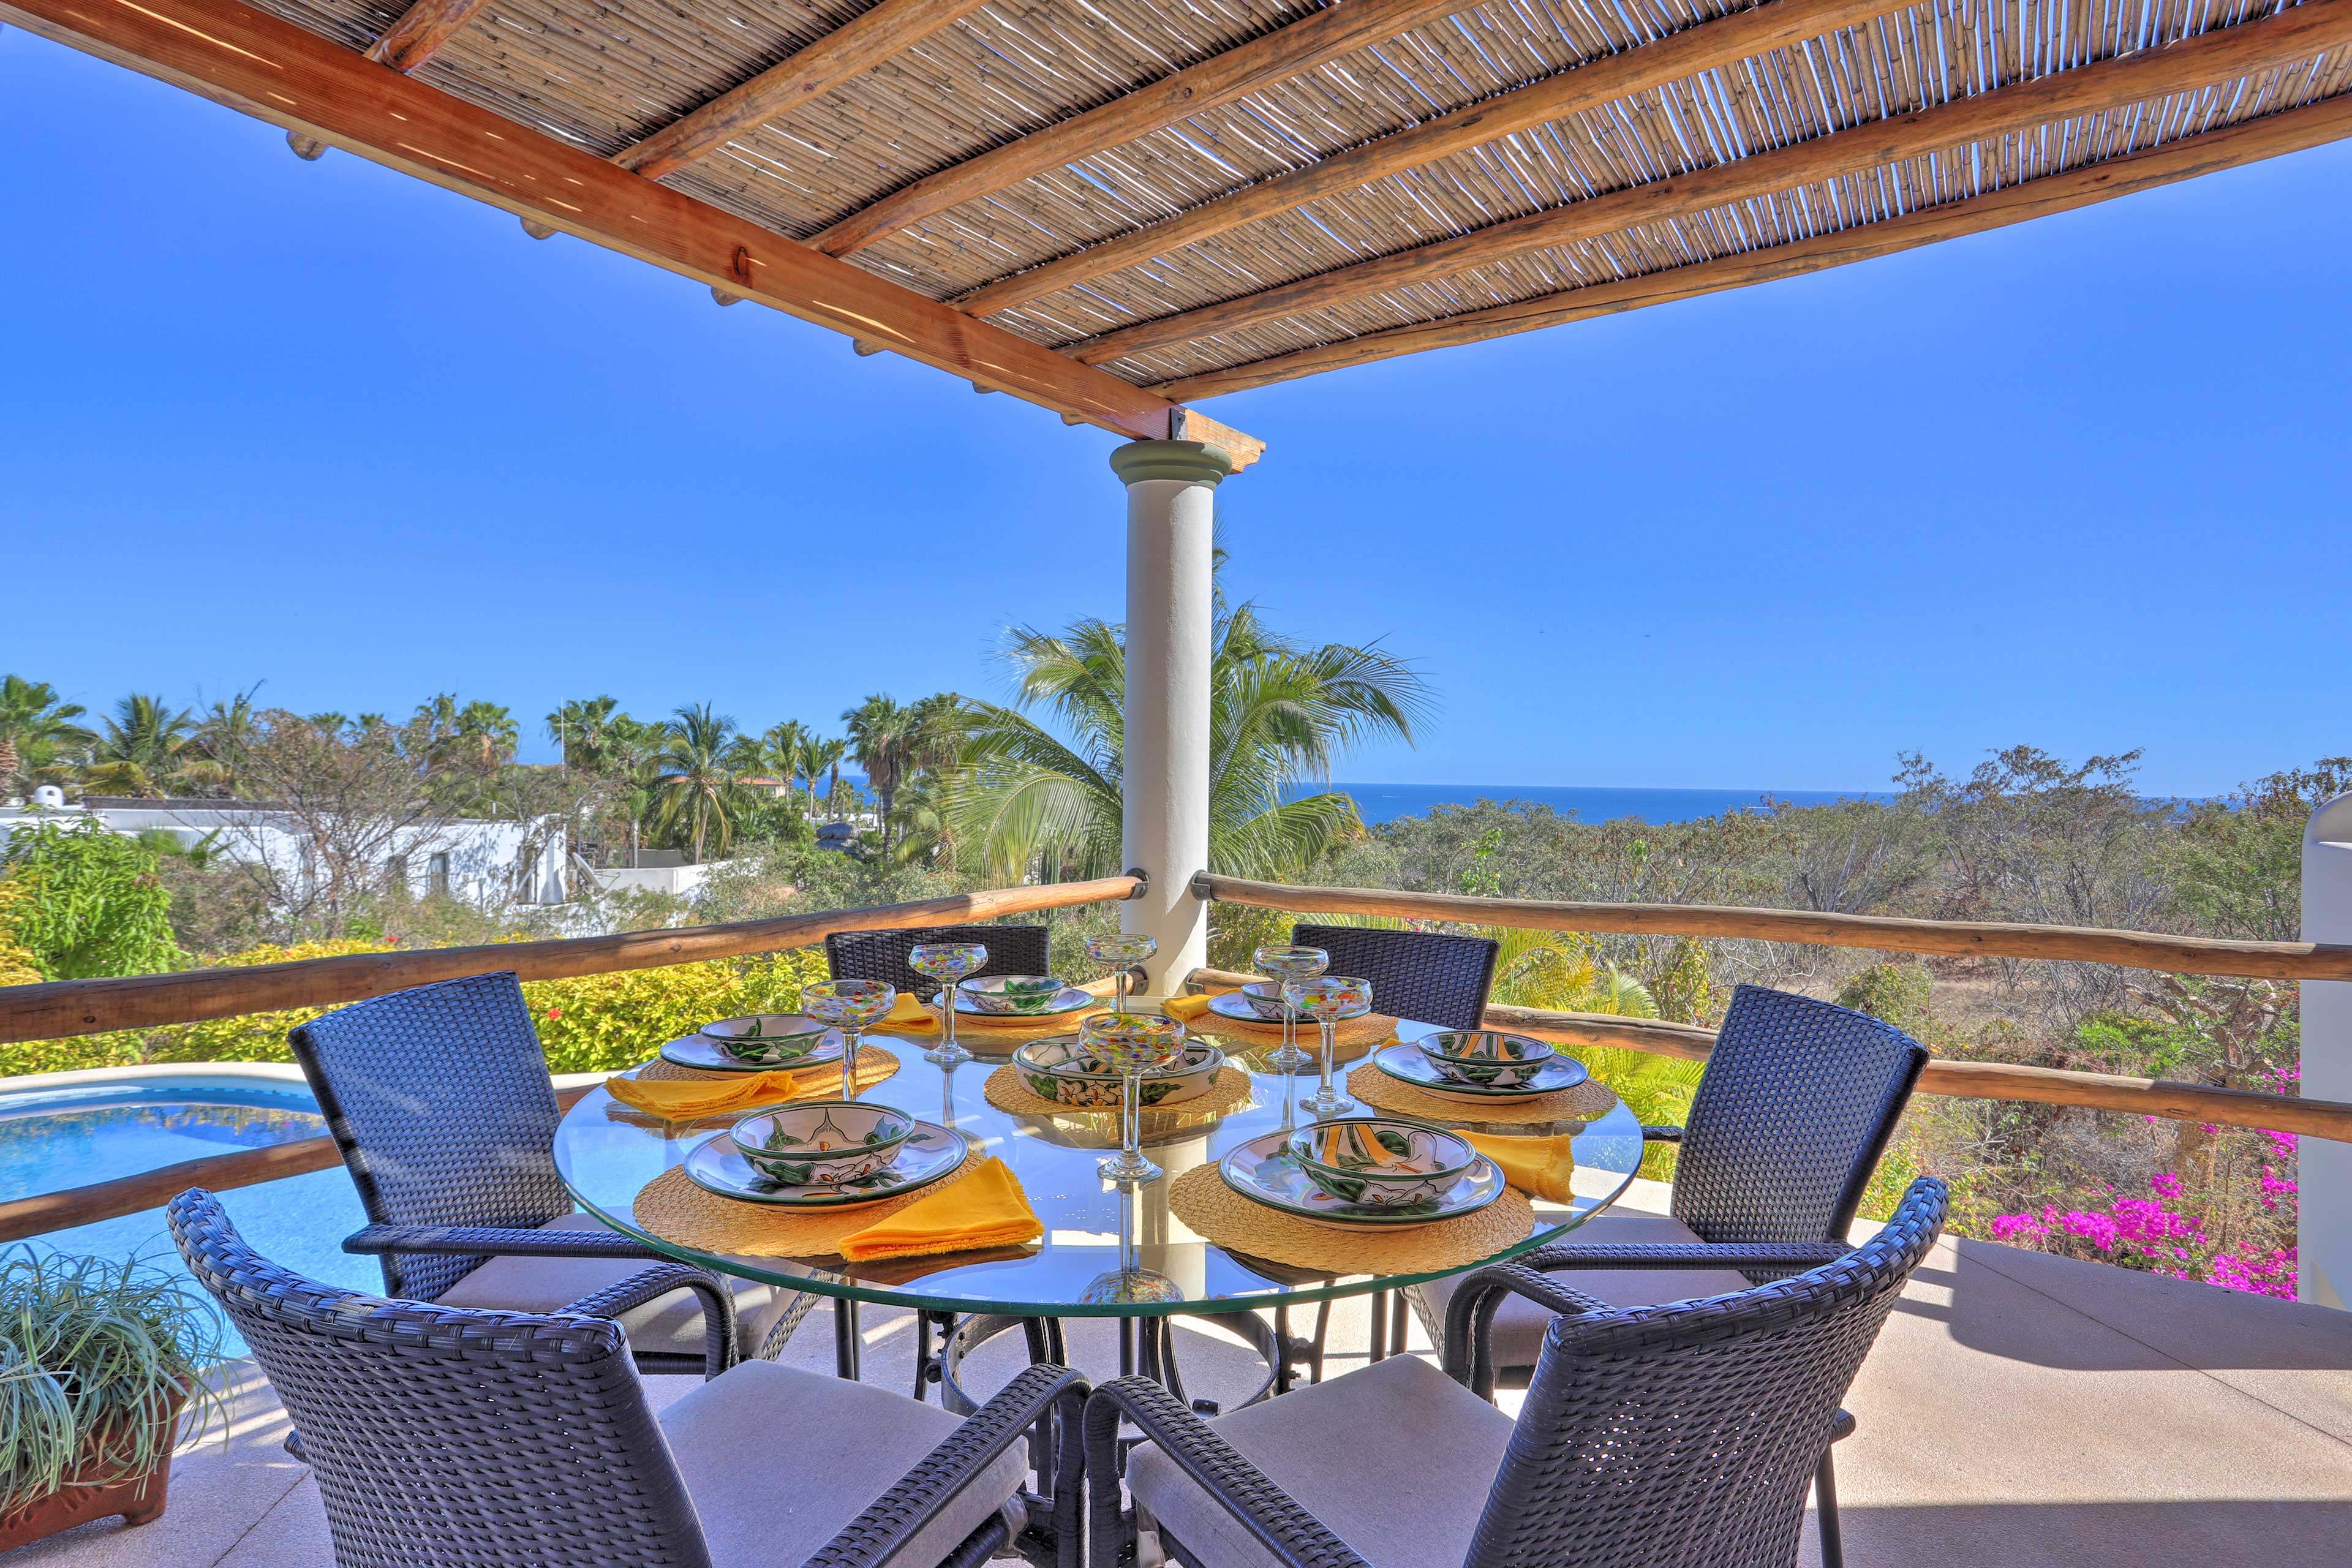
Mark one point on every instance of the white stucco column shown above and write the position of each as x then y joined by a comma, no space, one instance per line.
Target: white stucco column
1170,491
2324,1228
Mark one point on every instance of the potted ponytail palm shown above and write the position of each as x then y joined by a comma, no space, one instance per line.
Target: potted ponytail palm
98,1362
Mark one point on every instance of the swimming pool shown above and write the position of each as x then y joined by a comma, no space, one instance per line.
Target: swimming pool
69,1130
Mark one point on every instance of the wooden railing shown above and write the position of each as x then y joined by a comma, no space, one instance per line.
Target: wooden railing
1948,939
1974,1080
68,1007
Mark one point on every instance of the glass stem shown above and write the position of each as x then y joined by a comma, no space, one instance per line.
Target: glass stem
1130,1116
1118,990
849,1064
947,1014
1329,1030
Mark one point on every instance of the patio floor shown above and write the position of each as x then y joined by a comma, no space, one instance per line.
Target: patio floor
2019,1409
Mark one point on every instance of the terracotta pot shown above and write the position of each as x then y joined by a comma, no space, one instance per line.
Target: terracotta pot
137,1499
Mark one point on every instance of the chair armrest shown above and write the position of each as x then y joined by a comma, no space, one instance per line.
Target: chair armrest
1294,1535
1661,1134
1797,1255
464,1240
1470,1317
651,1284
893,1519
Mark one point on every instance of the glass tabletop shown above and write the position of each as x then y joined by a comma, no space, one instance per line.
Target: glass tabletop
607,1153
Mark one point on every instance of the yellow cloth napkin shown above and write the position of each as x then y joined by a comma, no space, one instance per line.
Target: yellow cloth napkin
684,1100
1185,1009
908,1015
1539,1167
986,1208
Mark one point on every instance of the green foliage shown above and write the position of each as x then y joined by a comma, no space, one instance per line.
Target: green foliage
92,1351
89,902
600,1023
1895,994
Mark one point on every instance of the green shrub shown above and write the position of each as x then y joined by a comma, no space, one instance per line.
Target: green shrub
87,903
1894,994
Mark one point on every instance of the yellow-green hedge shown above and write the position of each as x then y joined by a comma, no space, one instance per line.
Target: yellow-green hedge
596,1023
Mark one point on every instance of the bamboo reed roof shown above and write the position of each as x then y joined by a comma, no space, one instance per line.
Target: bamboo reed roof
1200,196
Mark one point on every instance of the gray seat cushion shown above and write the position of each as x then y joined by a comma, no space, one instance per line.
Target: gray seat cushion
1519,1323
1355,1452
671,1324
779,1460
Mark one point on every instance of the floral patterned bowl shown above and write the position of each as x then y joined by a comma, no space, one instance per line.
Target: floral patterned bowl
1382,1162
1264,999
1063,1071
827,1141
770,1039
1012,992
1487,1058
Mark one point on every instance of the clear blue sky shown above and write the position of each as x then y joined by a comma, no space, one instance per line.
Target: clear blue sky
2082,483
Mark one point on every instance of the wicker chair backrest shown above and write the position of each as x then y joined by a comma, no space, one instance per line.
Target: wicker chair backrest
440,1102
447,1439
1683,1435
1426,977
882,954
1797,1104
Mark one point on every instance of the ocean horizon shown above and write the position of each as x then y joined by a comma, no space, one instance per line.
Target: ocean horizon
1378,803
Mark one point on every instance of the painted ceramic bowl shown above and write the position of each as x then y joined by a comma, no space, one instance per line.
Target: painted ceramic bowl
1382,1162
1064,1071
1487,1058
824,1141
1264,999
773,1039
1013,994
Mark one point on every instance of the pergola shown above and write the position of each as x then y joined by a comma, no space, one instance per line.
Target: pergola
1112,209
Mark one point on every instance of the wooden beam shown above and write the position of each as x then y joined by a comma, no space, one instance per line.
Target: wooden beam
1953,939
2290,130
1337,29
2012,1081
274,70
1707,47
420,32
61,1008
851,50
46,1211
2223,55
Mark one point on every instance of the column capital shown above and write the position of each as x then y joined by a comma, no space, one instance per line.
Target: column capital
1192,462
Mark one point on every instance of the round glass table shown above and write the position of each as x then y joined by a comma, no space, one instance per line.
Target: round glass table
1095,1232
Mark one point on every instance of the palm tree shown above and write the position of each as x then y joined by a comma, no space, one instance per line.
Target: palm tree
223,738
696,785
882,734
1280,713
141,749
34,727
816,755
478,736
578,728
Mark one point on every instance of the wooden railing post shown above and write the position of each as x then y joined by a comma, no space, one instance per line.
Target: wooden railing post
2323,1214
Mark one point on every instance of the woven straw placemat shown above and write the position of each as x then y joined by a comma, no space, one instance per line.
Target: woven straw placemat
875,1066
673,1208
1218,1214
1007,1092
1587,1101
1370,1029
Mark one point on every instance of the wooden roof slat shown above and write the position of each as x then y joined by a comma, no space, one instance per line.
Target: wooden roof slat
851,50
2275,135
284,74
2226,54
420,32
1271,57
1706,47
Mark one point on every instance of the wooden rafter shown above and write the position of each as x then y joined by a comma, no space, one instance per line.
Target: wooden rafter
277,71
420,32
2290,130
2224,55
1708,47
1262,61
851,50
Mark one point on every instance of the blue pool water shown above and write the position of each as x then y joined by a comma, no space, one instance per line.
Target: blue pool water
71,1137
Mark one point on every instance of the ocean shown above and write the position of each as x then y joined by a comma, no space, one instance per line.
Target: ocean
1380,802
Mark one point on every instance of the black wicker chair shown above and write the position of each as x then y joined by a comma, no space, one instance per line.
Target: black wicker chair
882,954
454,1438
439,1099
1418,975
1650,1437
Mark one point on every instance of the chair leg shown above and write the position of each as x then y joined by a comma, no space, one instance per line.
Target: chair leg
845,1339
1825,1510
1380,1328
1398,1320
